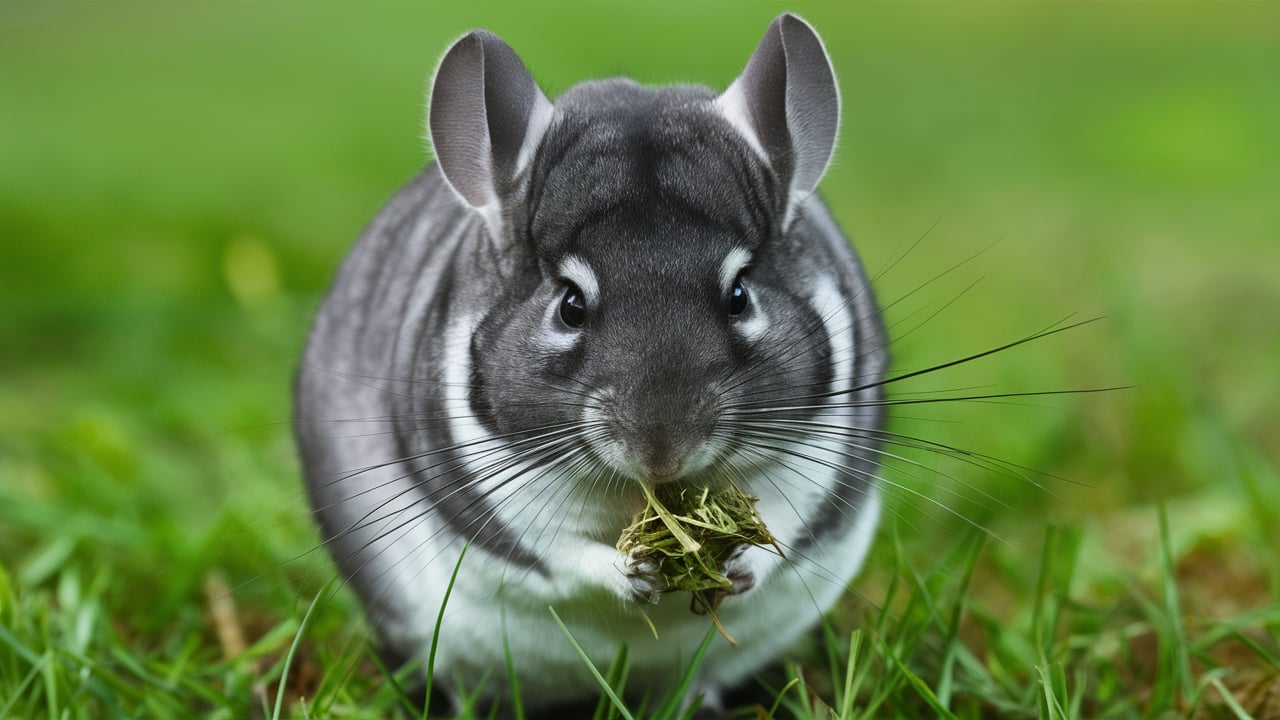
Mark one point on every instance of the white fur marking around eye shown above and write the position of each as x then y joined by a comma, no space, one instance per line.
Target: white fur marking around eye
756,324
577,271
733,263
555,337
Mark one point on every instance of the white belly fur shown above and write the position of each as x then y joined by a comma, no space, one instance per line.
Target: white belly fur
491,600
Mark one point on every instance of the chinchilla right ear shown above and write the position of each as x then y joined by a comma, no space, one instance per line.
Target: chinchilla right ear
486,117
787,106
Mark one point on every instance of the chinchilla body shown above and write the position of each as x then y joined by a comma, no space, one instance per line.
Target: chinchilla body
629,285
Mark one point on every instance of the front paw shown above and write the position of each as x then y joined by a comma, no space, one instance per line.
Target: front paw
641,580
739,572
741,579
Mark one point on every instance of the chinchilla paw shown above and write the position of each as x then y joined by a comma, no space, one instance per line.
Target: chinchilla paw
643,583
739,572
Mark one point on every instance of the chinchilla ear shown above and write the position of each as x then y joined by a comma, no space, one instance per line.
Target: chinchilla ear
486,117
787,105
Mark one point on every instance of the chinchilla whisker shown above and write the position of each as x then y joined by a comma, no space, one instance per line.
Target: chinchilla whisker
729,469
749,449
558,404
406,525
615,482
486,441
406,380
359,378
371,419
457,462
856,472
938,276
571,478
565,479
555,450
802,438
539,482
796,349
938,391
380,390
936,368
1056,328
760,462
981,460
562,468
366,520
455,486
987,399
394,421
758,408
587,388
793,346
843,504
791,349
895,258
899,337
574,461
595,469
557,460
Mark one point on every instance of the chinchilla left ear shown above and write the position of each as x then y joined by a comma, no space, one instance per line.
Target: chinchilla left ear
486,117
787,106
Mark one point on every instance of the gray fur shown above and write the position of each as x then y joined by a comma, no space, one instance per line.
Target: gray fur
649,188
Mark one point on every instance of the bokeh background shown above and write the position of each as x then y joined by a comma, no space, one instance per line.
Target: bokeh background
179,181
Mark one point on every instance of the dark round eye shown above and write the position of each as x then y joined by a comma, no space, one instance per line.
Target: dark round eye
573,306
737,297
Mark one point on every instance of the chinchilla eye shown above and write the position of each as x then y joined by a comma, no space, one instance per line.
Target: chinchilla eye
573,306
737,298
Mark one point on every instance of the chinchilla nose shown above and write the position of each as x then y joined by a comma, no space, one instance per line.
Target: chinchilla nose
659,452
664,428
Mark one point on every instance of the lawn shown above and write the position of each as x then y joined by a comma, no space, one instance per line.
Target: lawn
179,181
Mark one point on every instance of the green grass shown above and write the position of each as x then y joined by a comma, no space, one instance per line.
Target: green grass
178,183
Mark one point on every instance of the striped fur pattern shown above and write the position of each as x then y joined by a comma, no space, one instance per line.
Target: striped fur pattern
452,394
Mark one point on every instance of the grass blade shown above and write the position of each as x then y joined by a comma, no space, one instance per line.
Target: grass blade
435,632
604,684
293,649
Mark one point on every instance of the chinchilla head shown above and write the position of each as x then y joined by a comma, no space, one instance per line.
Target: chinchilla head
653,267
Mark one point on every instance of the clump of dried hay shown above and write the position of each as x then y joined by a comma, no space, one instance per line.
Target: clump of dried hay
690,533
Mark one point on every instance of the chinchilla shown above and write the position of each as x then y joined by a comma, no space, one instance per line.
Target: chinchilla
626,286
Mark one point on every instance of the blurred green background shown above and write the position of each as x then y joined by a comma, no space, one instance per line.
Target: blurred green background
179,181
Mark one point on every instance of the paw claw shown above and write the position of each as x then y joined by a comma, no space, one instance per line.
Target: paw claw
644,584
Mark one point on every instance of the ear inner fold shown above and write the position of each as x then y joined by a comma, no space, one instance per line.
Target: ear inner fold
484,110
787,104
